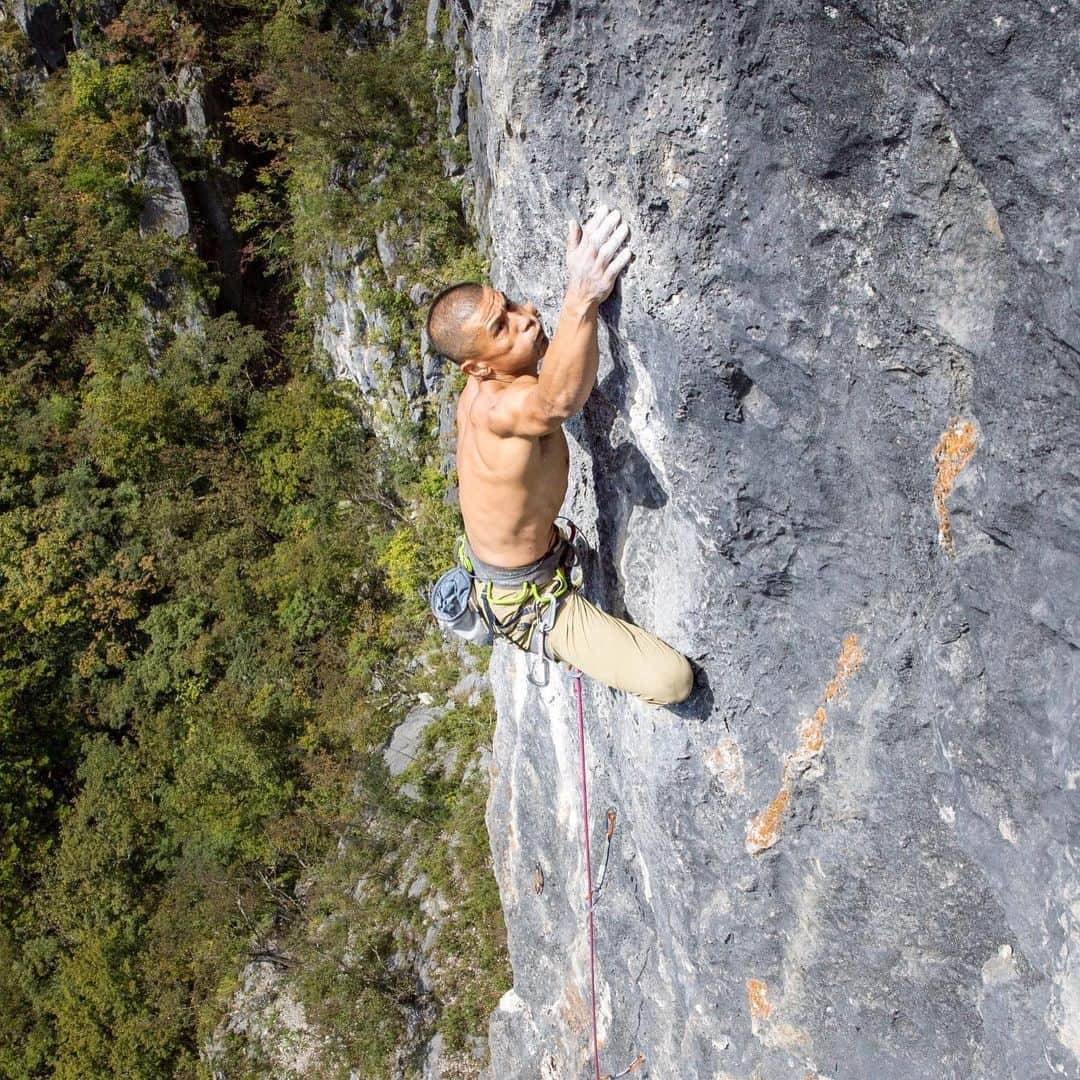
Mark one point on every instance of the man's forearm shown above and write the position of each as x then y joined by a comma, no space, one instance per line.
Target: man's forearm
568,372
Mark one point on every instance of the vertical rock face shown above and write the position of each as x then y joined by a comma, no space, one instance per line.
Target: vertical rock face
832,455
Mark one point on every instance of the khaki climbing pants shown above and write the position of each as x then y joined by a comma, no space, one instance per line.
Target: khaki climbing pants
608,649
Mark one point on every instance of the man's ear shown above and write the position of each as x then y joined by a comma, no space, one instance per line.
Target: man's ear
474,366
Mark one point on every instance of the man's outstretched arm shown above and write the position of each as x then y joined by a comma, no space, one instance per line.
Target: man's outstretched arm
595,257
593,261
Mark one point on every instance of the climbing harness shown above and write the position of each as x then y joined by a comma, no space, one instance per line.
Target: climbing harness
592,895
558,571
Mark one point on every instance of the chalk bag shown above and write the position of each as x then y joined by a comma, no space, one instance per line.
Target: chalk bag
450,605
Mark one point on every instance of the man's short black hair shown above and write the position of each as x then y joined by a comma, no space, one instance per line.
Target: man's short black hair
448,312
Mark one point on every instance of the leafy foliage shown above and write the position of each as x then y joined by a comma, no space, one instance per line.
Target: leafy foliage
210,617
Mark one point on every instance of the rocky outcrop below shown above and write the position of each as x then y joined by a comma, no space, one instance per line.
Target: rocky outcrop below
831,455
266,1029
171,307
46,27
356,335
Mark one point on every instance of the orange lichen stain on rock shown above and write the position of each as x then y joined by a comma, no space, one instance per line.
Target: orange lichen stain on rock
846,666
952,453
777,1033
757,994
811,730
764,830
725,761
575,1011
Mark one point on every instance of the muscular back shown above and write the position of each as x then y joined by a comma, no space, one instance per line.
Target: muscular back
510,487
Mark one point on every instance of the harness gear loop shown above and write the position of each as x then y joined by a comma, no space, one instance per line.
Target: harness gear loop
462,557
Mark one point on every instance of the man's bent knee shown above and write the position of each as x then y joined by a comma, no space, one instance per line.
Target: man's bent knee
677,685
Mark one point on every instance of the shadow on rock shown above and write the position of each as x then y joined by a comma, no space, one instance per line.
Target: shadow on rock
622,476
699,705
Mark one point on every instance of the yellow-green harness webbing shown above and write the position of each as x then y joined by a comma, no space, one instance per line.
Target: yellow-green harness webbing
542,605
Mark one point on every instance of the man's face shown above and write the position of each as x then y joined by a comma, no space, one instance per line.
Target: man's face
508,336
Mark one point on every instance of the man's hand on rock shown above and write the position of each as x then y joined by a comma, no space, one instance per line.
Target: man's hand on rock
595,256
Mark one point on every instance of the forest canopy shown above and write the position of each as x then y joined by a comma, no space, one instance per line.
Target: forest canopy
210,614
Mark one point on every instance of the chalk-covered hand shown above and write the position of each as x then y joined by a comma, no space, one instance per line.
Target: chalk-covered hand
595,255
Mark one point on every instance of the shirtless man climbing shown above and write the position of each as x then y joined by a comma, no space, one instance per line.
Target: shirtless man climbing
513,460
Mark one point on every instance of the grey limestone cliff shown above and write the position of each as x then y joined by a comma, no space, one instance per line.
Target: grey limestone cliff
832,456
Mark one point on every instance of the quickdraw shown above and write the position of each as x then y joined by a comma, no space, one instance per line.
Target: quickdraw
632,1067
607,852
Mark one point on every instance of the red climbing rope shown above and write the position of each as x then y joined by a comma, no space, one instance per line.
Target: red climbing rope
588,867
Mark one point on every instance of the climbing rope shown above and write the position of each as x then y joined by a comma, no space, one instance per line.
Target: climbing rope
593,895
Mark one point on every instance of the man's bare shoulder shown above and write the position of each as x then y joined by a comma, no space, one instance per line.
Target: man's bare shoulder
493,402
493,391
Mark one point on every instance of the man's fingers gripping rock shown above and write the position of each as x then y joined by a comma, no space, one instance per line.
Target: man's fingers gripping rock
595,221
618,264
617,237
606,228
